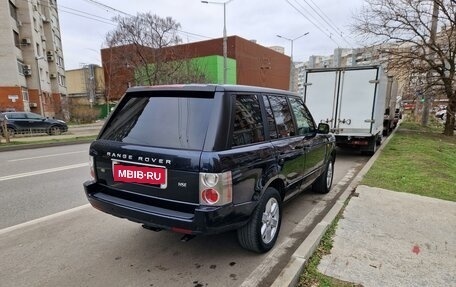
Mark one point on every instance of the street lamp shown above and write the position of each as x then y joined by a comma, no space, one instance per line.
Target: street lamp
225,48
291,57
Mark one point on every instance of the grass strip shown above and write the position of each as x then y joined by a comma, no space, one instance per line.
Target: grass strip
418,160
45,142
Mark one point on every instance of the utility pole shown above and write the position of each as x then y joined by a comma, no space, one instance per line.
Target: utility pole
292,68
427,97
225,44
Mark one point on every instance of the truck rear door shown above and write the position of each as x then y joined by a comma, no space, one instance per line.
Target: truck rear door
356,101
321,95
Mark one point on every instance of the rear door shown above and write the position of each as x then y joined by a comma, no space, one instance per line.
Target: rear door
356,101
36,122
160,132
288,144
321,95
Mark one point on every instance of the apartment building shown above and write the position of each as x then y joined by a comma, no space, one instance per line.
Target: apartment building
32,77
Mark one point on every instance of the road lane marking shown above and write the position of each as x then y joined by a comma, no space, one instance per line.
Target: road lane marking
51,155
42,219
43,171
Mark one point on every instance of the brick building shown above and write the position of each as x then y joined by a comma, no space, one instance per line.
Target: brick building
32,77
248,64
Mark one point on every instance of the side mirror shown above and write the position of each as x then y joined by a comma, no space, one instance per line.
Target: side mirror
323,128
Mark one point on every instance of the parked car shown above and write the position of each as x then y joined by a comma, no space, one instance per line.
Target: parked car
397,117
26,122
202,159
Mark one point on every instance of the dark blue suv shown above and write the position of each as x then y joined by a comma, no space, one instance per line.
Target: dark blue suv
26,122
201,159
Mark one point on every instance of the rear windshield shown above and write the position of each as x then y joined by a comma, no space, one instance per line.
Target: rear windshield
162,120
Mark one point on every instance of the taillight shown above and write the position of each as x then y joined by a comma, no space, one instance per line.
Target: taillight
92,169
215,188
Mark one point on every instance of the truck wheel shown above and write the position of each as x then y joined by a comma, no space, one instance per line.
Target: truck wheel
373,148
261,232
324,181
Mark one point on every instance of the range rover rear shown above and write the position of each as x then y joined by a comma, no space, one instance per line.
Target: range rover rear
202,159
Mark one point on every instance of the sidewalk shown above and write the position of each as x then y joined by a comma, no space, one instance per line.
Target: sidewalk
387,238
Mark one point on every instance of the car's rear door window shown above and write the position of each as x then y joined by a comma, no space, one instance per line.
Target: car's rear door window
161,120
270,118
248,123
283,116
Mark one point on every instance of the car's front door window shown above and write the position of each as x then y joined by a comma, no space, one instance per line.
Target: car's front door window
304,121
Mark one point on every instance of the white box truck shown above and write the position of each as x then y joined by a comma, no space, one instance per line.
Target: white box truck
357,102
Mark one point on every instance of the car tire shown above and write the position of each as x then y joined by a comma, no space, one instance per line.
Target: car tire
54,131
261,232
324,181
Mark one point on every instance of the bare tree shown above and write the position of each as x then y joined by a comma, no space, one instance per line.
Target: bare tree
146,53
419,38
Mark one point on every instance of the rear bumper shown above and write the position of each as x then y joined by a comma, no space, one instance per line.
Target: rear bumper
204,219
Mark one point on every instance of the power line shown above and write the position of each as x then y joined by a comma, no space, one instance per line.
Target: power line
108,7
333,27
319,23
127,14
87,17
326,16
86,13
76,12
318,27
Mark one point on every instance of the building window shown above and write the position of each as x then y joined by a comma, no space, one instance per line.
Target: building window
62,80
13,11
20,67
16,39
35,25
25,95
60,62
38,50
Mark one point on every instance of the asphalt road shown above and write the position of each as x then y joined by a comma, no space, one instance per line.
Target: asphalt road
85,247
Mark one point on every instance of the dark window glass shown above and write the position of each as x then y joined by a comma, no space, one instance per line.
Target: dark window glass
248,124
177,121
271,122
16,39
34,116
13,10
16,116
304,121
282,115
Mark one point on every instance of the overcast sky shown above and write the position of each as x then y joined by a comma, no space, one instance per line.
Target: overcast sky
262,20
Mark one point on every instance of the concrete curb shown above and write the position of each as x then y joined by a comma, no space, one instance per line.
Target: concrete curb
289,276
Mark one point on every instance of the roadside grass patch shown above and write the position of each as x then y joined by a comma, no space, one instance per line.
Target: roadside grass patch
418,160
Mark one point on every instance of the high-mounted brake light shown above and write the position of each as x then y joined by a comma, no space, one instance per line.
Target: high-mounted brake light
215,188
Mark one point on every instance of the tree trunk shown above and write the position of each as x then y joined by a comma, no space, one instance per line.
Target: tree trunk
450,121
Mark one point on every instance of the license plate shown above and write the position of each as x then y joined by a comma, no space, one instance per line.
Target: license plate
139,174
